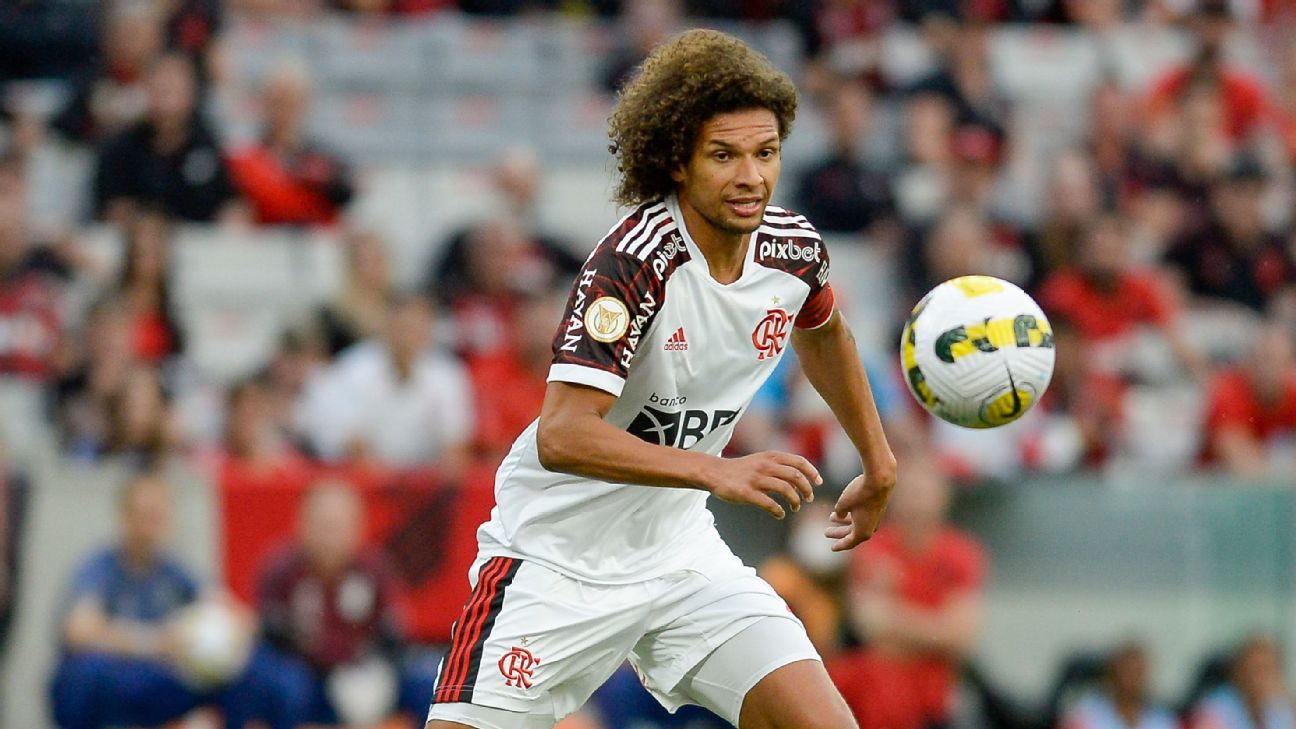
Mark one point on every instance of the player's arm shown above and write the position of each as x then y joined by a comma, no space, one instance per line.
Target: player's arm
950,629
574,438
88,628
831,362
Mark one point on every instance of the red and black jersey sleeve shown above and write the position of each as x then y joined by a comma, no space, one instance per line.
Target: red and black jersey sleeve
788,242
613,302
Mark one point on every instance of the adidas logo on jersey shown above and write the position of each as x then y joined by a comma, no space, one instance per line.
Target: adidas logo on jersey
677,342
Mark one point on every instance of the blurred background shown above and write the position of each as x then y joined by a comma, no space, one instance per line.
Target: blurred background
278,282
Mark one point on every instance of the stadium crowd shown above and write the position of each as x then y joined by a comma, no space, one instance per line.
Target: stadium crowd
1161,244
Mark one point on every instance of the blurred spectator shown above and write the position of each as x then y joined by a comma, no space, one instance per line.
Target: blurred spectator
360,308
1123,700
1106,299
964,80
643,24
256,452
394,399
287,179
115,96
524,257
922,185
845,41
1111,142
171,159
1074,199
1242,97
481,279
85,389
1255,695
31,317
141,425
839,194
1235,258
300,357
331,604
1251,409
122,642
960,243
1084,403
509,387
914,597
145,288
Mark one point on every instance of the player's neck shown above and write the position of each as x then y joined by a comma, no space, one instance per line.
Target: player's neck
725,253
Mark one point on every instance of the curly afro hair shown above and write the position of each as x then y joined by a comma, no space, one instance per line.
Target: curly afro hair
682,84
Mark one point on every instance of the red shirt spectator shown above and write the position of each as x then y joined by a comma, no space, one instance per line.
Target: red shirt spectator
30,324
329,622
508,395
1235,402
1243,98
914,593
908,692
1105,311
300,187
286,179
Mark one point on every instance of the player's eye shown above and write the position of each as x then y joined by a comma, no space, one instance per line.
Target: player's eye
768,153
721,156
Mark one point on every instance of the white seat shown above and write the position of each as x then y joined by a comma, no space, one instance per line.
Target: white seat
1044,63
368,56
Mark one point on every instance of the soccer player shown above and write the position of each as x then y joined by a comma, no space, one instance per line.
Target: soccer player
600,546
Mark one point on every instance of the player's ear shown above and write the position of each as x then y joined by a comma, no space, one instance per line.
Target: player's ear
677,174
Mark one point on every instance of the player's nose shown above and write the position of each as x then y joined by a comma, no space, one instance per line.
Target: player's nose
748,173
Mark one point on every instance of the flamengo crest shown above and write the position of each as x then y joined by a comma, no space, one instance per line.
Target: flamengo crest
770,335
517,666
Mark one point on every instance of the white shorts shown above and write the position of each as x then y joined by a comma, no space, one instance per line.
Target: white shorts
532,645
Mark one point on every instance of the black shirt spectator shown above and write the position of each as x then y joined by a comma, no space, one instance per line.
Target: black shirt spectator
1249,273
191,182
1233,256
171,160
113,95
839,194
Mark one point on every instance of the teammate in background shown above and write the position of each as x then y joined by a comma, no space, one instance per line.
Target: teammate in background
601,547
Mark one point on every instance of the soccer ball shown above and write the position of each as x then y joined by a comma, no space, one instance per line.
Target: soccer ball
977,351
214,645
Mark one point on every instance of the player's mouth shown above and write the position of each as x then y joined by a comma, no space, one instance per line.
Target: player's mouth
746,207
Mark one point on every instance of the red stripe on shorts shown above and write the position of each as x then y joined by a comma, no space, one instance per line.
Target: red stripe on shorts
468,629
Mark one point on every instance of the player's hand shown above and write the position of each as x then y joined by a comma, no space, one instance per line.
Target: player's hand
755,479
860,508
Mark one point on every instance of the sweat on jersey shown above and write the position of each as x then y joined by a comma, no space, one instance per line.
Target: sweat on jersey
684,354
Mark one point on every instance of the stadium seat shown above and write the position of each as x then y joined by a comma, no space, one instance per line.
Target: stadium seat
369,56
1038,63
235,293
256,46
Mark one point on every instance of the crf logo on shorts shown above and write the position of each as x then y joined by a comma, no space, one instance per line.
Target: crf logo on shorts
771,333
516,667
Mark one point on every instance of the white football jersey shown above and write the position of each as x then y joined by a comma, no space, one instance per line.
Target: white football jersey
684,354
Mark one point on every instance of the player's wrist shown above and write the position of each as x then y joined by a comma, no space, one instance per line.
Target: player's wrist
701,471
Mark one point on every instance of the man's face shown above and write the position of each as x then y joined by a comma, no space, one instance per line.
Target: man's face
146,518
733,170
